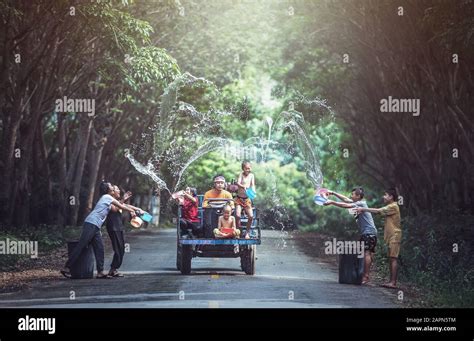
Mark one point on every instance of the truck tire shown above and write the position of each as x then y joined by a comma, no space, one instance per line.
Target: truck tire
186,257
247,260
179,251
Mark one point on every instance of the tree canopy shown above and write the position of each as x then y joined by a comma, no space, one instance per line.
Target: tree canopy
331,63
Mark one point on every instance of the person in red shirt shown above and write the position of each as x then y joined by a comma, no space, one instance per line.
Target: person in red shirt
189,221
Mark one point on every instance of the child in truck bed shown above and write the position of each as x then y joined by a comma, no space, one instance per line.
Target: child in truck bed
226,227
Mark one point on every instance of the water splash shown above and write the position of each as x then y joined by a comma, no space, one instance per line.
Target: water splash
315,102
163,132
212,145
181,135
295,122
148,170
270,124
172,148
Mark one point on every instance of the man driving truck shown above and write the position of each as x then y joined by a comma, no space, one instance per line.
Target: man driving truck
218,192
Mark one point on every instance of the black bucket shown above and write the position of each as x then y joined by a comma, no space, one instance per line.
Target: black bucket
351,269
84,266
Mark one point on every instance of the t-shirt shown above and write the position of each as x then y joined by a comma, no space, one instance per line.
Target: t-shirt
364,220
392,225
100,211
215,194
189,211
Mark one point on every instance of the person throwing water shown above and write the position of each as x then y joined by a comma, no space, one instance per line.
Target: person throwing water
91,230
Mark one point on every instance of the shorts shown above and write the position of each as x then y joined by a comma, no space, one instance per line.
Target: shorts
370,241
218,234
244,202
394,245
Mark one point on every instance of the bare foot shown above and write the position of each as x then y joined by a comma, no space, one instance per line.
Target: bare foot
390,285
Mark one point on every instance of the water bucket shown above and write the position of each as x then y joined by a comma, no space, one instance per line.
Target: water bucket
351,269
136,222
250,193
84,266
146,217
178,194
319,200
323,192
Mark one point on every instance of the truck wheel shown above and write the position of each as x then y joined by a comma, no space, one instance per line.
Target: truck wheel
242,258
186,257
179,251
248,260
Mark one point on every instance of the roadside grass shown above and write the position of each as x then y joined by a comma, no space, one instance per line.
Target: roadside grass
49,238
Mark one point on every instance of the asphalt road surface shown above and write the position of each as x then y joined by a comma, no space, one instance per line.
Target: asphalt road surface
285,278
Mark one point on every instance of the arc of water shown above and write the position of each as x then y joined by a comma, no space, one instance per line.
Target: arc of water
270,123
168,101
208,147
312,166
148,170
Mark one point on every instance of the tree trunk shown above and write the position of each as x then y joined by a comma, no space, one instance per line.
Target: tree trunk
83,137
96,148
27,147
62,196
6,180
43,166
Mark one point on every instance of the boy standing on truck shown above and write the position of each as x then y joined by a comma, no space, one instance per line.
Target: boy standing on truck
245,180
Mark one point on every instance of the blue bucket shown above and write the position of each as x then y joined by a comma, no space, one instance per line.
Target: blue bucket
319,200
146,217
250,193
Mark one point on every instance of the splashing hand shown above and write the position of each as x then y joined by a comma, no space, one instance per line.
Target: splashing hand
328,202
127,196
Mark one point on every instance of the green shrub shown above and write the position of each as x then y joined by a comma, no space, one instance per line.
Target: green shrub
49,237
7,261
437,254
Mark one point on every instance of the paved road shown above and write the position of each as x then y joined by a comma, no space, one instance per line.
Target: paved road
285,278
